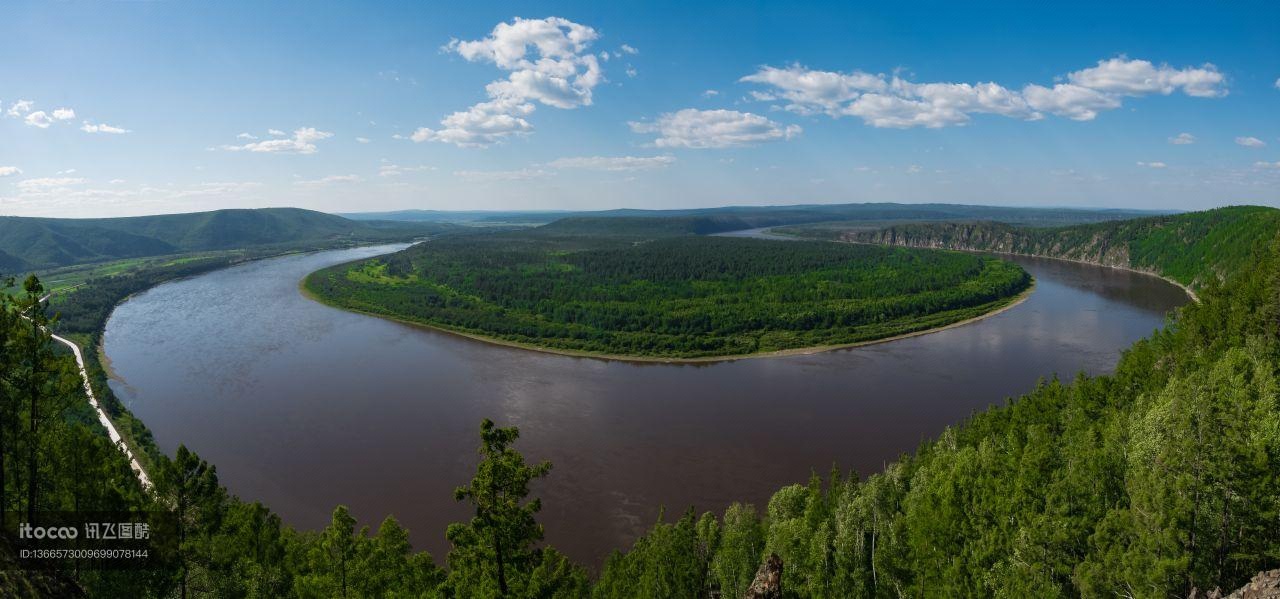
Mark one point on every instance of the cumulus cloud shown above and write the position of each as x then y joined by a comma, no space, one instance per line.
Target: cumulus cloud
1183,139
692,128
1250,142
1139,77
523,174
248,136
628,49
1153,164
363,140
893,101
20,108
8,171
481,125
64,114
548,62
613,163
302,142
1267,165
39,119
88,127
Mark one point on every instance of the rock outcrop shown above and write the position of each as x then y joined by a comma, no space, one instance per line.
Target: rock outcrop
768,582
1266,585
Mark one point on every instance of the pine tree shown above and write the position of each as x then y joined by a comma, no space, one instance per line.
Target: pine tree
494,553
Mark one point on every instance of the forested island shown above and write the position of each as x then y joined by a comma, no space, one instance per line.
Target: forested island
639,289
1150,482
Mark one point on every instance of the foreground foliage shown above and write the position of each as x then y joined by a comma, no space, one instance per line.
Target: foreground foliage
670,296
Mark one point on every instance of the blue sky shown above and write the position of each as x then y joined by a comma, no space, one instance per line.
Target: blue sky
123,108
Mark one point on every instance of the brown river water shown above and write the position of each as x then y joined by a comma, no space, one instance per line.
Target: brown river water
304,407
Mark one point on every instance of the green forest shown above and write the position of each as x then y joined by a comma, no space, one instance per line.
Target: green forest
670,295
43,243
1159,478
1189,248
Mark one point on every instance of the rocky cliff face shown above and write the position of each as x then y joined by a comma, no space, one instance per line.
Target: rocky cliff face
1266,585
1097,248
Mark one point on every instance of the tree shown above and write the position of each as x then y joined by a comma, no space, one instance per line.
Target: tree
8,395
341,545
44,381
188,485
494,553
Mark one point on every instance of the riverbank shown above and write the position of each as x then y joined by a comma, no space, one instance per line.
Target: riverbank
770,233
997,308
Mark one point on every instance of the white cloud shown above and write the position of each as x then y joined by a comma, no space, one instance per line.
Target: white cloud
45,183
329,180
913,169
711,93
1139,77
1250,142
1183,139
692,128
8,171
1075,102
1153,164
523,174
395,170
1277,83
883,101
102,128
1267,165
628,49
276,133
20,108
481,125
548,62
248,136
613,163
363,140
816,91
39,119
64,114
631,71
302,142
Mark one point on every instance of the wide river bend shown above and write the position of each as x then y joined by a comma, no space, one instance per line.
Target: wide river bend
303,406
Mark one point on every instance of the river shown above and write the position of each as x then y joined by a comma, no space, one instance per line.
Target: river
304,407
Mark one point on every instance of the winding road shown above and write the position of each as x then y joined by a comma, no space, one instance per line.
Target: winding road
112,433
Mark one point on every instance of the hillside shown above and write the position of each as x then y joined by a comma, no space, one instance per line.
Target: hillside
41,243
1187,248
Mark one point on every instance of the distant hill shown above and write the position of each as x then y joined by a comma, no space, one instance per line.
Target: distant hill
40,243
772,216
1187,248
626,226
